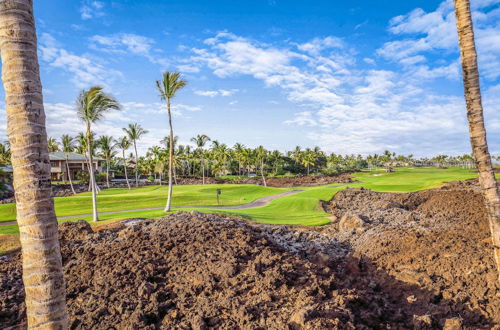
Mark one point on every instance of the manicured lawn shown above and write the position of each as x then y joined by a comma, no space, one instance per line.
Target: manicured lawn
152,196
303,208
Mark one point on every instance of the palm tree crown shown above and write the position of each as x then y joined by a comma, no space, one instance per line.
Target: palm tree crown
170,84
135,131
92,104
68,143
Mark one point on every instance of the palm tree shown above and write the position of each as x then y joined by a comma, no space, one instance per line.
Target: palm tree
260,156
91,106
42,266
53,145
201,141
106,143
475,117
155,154
5,153
238,153
124,143
68,145
167,88
134,133
308,159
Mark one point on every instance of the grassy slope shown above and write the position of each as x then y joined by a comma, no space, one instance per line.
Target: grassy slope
152,196
305,209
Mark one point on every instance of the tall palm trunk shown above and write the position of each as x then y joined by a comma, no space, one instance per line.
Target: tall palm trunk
262,173
170,159
69,175
136,166
125,169
107,173
93,184
42,266
203,171
475,117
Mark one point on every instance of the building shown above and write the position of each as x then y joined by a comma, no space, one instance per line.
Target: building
76,162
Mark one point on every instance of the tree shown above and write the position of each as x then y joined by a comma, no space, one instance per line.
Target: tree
167,88
53,145
134,133
475,117
4,153
42,265
107,145
68,145
91,106
124,143
261,155
201,141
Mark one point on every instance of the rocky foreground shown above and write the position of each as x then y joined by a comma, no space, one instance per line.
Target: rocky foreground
419,260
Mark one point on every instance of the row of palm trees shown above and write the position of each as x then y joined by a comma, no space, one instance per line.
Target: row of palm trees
42,263
207,157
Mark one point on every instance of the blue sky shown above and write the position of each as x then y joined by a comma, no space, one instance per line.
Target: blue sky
347,76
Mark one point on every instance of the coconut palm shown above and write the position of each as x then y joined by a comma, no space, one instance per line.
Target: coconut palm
68,145
42,266
4,153
168,87
134,133
91,106
201,141
475,117
124,143
53,145
107,146
260,157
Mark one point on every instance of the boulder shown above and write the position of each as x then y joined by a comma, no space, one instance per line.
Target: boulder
350,221
74,231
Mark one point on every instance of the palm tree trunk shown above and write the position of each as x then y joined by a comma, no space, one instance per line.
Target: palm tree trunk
107,173
93,185
170,160
262,173
69,176
42,266
477,130
125,169
136,166
203,171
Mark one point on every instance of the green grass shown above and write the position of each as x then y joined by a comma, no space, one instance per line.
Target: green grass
118,199
303,208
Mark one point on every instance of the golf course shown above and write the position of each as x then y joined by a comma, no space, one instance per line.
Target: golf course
301,208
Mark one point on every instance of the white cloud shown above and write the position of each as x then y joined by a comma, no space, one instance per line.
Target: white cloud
219,92
427,34
128,43
85,71
353,110
317,45
91,9
302,118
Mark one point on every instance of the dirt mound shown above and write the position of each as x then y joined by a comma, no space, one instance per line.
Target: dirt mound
199,271
436,240
297,181
420,260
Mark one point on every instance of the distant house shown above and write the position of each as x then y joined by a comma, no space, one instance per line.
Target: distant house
77,163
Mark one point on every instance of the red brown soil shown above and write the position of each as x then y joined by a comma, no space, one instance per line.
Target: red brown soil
297,181
438,240
421,260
